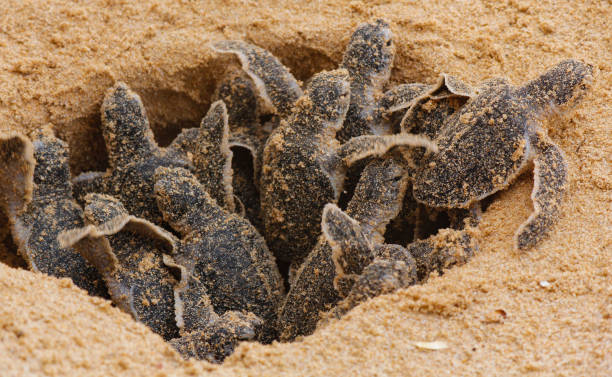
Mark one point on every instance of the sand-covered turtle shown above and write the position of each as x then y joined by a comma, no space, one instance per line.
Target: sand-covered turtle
377,200
133,155
305,165
220,249
36,219
128,252
366,269
493,137
203,333
245,139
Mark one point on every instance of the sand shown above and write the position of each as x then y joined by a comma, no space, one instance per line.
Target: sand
544,312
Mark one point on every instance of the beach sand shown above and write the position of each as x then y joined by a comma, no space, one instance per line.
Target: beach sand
543,312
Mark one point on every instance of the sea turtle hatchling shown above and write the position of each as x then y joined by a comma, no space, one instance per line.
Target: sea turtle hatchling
134,257
377,199
128,253
133,156
51,210
491,139
305,166
244,140
219,249
365,269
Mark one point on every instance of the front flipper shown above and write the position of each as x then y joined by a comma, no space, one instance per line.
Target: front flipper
550,184
277,86
351,248
125,127
17,174
361,147
213,157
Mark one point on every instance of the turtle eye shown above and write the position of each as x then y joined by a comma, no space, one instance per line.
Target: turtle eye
389,42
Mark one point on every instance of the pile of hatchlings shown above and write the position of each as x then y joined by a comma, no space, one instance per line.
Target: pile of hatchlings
245,230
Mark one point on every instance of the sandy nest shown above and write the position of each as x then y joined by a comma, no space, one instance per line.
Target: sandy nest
547,311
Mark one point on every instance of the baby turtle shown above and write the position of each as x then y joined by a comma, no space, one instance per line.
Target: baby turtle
368,59
245,140
133,155
204,334
128,253
487,143
377,200
305,166
51,210
365,269
221,250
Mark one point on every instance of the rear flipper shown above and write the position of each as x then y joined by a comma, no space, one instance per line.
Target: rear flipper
550,184
277,86
219,338
441,251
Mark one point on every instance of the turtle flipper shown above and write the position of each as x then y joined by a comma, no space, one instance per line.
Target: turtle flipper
550,184
368,59
213,158
361,147
51,211
277,86
125,127
128,252
17,174
426,113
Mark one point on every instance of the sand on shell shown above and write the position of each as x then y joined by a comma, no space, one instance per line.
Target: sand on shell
544,312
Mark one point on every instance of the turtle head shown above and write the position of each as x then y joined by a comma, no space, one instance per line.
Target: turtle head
329,95
51,173
562,86
181,199
102,209
370,52
379,194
